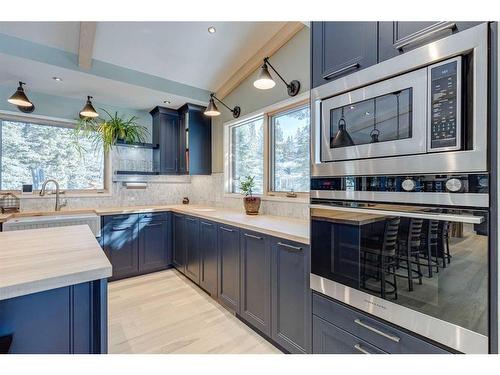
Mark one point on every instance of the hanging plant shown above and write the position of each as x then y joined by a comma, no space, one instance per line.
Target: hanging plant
104,133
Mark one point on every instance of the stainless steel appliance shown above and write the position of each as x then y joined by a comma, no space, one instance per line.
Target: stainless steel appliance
399,191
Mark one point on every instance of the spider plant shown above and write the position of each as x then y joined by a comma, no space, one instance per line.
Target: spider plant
104,133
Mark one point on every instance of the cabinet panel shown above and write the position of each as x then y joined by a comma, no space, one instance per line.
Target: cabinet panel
166,134
208,257
229,266
329,339
179,241
341,48
291,296
192,228
152,245
121,244
255,305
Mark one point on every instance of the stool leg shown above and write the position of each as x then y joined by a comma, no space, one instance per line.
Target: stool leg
409,268
382,276
429,260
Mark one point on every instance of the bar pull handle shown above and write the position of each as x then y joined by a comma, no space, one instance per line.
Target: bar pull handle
205,223
291,247
377,331
226,229
190,219
424,33
119,229
359,348
252,236
341,70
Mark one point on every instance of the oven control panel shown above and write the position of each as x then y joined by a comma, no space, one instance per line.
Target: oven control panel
444,105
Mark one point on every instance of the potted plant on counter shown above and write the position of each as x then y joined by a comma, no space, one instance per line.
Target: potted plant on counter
251,203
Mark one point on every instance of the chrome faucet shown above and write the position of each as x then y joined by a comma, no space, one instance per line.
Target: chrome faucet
58,203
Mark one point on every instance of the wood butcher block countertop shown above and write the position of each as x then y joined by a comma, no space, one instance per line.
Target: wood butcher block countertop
36,260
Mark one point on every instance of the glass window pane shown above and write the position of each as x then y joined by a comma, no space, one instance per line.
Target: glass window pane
33,153
247,154
290,150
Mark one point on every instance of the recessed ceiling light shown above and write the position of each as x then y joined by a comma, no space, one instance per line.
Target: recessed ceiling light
212,30
166,102
58,79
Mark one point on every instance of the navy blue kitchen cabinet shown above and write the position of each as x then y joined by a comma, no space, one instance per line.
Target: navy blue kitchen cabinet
192,250
228,292
154,248
121,244
179,242
166,133
291,295
341,48
255,282
368,331
208,256
136,243
398,37
68,320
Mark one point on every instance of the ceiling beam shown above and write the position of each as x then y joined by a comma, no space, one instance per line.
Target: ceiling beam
86,45
283,35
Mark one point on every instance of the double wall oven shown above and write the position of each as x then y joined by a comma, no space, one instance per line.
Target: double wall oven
400,211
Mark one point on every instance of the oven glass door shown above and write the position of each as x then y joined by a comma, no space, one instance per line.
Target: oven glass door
434,261
384,119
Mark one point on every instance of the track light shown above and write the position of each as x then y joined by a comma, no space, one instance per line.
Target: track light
265,81
88,111
212,109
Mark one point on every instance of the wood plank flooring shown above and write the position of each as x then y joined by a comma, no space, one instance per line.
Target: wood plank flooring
164,312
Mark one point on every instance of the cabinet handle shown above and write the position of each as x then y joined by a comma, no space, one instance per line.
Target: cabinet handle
190,219
252,236
153,224
377,331
424,33
291,247
118,229
359,348
227,229
205,223
341,70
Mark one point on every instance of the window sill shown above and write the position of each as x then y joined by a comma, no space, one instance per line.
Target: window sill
272,198
70,195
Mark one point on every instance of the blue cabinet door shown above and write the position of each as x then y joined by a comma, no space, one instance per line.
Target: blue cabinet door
208,257
121,244
179,241
192,227
229,267
255,282
166,133
291,295
153,247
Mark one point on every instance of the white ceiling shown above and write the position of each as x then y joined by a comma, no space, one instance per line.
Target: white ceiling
180,51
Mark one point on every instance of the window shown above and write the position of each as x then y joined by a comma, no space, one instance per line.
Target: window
290,150
273,147
247,154
31,153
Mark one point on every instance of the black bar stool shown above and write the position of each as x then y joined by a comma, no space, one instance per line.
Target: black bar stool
409,251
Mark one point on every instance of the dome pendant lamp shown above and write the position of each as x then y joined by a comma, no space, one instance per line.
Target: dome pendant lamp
20,100
265,81
342,138
88,111
212,109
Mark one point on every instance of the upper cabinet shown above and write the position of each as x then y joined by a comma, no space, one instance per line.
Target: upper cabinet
399,37
184,137
341,48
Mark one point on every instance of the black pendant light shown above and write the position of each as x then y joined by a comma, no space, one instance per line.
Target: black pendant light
88,111
212,109
19,98
265,81
375,132
342,138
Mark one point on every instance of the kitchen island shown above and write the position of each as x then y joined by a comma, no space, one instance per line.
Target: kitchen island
53,291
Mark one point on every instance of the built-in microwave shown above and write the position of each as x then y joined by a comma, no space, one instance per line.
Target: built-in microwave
424,111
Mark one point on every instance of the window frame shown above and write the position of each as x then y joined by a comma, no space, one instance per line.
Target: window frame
301,100
63,123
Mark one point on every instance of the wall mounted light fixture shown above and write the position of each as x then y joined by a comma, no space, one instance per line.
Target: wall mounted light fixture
212,109
21,101
88,111
265,81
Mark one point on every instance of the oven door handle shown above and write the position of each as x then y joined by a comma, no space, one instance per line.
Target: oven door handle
471,219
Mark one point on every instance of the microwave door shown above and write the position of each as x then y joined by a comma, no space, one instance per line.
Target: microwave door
383,119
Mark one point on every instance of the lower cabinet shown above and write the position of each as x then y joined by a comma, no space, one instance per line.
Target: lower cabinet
154,248
208,257
179,242
228,292
192,250
291,295
255,280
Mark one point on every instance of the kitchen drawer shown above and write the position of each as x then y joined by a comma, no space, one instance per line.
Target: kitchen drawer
382,335
329,339
154,216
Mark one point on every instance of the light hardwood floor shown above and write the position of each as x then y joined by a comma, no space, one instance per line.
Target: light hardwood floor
164,312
